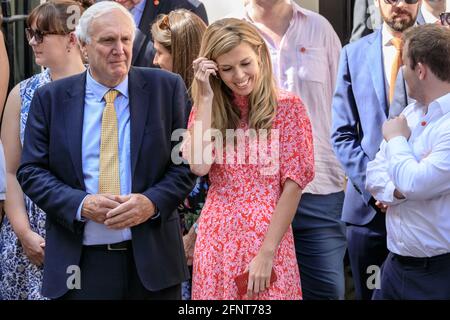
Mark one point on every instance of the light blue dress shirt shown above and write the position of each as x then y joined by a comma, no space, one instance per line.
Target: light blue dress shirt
137,12
94,104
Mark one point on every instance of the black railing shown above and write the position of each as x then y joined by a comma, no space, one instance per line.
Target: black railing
19,52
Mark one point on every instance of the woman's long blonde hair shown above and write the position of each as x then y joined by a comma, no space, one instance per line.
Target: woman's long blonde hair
180,32
221,37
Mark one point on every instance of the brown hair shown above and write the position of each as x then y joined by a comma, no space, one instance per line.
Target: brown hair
60,16
180,32
221,37
430,45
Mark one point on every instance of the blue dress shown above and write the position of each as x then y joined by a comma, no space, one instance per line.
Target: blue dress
189,212
20,279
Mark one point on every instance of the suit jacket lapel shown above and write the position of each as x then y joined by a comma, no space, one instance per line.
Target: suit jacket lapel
375,66
73,115
139,106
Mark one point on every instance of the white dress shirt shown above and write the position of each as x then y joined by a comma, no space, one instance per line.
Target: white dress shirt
419,168
428,16
389,52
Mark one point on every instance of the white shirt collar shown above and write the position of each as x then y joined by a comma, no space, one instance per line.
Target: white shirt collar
443,102
386,35
427,15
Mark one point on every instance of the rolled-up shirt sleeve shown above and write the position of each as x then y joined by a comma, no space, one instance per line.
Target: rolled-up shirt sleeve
378,181
424,178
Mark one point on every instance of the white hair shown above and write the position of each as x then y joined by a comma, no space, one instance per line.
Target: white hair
93,12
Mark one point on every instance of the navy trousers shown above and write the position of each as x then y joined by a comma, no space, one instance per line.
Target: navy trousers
367,251
410,278
320,245
112,275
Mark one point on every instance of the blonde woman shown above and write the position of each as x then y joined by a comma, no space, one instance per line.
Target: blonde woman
257,170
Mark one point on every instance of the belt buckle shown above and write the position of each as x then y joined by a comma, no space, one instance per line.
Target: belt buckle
110,247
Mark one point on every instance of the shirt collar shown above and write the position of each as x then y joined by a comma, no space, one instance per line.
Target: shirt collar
442,102
300,10
99,90
137,11
297,10
386,35
139,7
428,16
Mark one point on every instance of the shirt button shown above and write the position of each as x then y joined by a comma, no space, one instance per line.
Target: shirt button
423,123
302,49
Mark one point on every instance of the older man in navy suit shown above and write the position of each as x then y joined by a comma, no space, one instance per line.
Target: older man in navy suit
364,92
97,159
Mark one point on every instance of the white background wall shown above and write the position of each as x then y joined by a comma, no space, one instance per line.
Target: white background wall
218,9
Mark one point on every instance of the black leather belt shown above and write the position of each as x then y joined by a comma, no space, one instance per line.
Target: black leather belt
119,246
415,261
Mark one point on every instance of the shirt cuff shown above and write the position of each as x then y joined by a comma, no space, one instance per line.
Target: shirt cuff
78,216
388,194
156,215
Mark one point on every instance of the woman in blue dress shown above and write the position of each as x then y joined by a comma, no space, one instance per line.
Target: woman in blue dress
50,34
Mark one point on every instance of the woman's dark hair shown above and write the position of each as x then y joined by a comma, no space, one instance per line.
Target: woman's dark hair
58,16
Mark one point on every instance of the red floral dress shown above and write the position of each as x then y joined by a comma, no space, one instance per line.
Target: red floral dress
240,203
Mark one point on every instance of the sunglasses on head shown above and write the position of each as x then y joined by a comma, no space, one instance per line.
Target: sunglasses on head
445,18
392,2
165,23
38,35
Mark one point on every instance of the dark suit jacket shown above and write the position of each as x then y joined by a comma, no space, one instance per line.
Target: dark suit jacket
360,108
143,50
51,174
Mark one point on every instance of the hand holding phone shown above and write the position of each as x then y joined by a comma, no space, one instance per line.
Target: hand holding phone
242,281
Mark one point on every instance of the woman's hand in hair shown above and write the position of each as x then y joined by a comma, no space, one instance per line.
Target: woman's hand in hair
203,69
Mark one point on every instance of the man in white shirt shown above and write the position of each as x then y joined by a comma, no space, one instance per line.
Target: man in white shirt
305,53
411,174
363,97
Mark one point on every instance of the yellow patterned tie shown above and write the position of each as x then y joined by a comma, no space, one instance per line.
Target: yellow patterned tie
109,180
398,44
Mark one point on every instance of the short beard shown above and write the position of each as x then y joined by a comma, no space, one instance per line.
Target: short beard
399,25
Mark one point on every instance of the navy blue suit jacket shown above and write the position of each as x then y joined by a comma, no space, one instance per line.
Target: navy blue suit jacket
51,174
359,110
